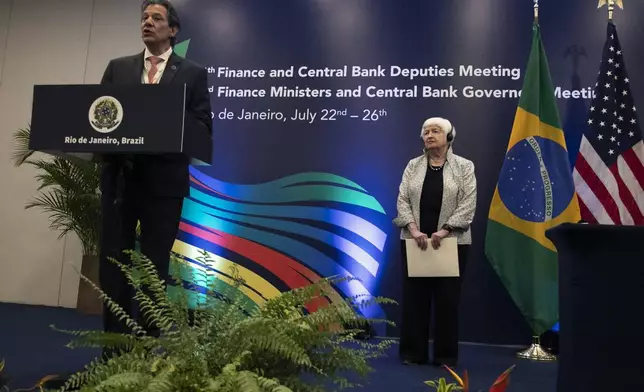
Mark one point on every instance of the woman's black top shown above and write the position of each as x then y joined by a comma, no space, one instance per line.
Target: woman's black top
431,200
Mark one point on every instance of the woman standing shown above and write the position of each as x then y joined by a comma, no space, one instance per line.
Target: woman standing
437,199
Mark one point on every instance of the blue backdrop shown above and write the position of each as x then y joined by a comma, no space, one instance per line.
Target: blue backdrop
289,200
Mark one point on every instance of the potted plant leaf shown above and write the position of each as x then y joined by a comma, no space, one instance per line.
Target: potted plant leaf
213,339
462,383
68,191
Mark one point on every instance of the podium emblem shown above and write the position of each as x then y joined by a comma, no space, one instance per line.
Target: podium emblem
105,114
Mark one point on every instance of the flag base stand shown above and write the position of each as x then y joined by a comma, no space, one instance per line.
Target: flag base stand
536,353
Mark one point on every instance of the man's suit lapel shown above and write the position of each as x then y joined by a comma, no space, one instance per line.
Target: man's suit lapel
171,69
138,69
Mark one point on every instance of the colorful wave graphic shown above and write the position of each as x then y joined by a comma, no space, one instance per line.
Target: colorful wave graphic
284,234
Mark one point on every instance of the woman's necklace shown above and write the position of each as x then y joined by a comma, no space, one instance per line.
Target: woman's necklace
436,168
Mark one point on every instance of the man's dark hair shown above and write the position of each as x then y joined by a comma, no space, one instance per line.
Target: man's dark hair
173,16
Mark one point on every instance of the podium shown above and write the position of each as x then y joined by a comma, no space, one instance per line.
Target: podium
91,120
94,121
601,289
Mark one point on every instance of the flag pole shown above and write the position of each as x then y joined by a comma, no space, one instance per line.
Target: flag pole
535,352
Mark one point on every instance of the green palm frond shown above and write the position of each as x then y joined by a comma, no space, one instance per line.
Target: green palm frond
68,190
22,151
71,212
76,176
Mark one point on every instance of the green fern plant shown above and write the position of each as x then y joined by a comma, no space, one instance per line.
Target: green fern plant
68,190
210,341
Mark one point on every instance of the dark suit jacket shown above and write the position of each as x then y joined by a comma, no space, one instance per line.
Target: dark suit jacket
164,175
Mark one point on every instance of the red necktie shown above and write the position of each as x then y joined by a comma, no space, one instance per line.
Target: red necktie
153,69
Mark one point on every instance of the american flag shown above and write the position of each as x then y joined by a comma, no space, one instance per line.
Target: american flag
609,170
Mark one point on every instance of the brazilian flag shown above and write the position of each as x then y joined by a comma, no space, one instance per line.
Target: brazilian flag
535,191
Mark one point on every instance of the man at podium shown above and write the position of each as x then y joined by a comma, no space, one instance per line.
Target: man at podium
148,189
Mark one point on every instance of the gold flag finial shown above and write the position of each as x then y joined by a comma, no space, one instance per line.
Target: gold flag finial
611,6
536,10
602,3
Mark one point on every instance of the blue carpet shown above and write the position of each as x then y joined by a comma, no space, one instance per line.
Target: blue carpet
32,349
